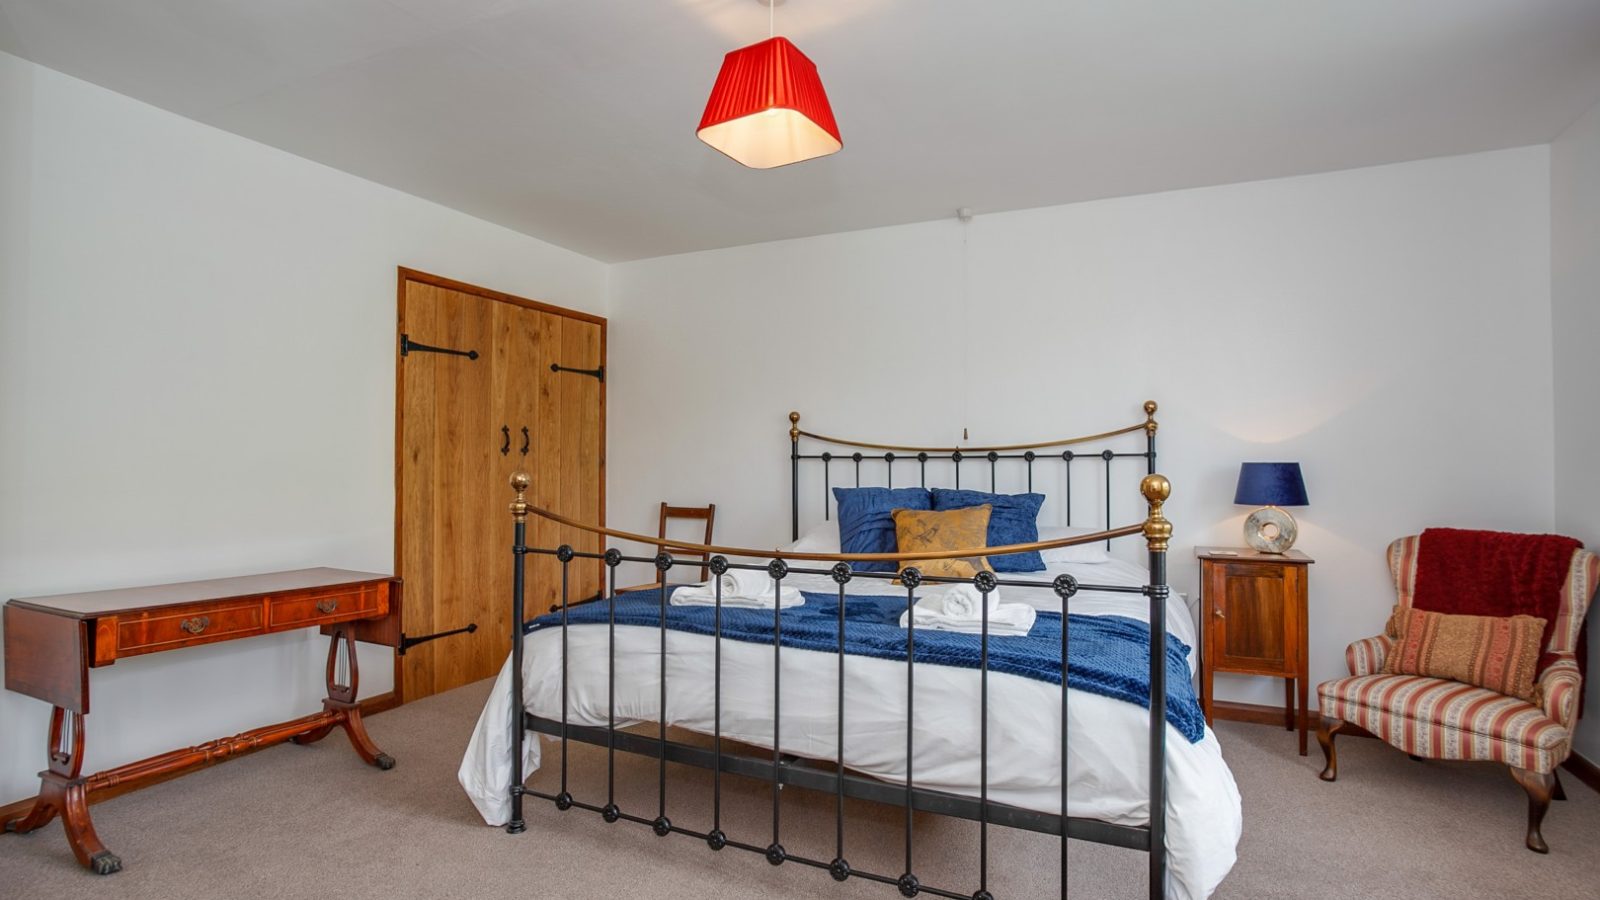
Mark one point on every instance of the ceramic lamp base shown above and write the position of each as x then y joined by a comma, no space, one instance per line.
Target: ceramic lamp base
1270,530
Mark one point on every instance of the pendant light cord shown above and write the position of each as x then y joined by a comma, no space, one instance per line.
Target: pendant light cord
772,12
965,217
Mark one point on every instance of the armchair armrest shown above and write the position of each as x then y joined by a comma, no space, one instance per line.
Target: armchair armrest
1557,690
1366,656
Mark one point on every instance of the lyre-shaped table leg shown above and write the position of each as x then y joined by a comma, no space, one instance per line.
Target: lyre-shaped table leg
342,700
62,792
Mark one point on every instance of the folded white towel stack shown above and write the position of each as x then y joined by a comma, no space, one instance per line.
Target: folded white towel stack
934,610
959,601
740,588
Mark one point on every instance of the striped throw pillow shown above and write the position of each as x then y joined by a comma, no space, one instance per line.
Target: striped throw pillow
1498,653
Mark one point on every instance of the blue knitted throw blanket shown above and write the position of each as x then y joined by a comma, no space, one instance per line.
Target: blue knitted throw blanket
1106,655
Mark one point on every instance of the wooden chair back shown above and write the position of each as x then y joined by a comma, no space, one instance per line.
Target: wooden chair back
708,514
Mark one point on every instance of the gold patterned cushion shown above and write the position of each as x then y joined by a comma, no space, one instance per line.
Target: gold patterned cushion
918,530
1498,653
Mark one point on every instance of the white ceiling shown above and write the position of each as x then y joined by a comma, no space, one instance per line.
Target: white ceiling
574,121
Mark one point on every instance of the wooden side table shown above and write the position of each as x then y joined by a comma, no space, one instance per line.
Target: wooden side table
1253,622
52,643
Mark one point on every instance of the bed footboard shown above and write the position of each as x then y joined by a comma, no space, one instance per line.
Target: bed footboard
831,776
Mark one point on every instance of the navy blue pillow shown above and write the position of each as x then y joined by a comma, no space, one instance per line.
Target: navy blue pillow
1013,519
865,525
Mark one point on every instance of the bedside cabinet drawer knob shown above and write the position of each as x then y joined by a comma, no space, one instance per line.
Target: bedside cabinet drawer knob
326,607
1219,614
196,624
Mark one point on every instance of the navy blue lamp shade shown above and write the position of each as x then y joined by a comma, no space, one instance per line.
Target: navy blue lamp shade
1270,484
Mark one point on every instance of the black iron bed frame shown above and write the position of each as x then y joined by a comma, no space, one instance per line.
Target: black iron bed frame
784,769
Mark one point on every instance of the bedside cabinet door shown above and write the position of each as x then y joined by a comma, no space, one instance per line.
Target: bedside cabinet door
1253,617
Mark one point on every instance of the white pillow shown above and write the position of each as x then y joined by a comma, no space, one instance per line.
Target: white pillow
1078,553
820,538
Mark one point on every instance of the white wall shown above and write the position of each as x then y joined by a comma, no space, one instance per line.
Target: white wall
196,370
1387,327
197,380
1575,286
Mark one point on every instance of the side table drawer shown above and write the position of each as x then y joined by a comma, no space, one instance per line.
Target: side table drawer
297,610
200,625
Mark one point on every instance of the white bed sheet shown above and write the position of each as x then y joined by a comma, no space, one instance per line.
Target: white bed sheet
1108,754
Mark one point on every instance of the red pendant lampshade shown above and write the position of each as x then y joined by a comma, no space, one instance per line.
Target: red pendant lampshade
768,108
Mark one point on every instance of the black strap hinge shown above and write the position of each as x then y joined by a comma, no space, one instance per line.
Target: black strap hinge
599,374
407,345
407,642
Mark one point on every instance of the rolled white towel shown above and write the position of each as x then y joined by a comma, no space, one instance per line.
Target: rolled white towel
740,588
701,595
1007,620
959,601
742,583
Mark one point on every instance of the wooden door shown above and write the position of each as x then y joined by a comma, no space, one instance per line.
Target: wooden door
568,451
464,426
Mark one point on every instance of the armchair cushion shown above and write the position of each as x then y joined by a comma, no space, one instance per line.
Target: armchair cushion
1441,719
1495,652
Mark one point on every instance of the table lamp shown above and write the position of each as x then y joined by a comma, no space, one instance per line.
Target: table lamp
1270,485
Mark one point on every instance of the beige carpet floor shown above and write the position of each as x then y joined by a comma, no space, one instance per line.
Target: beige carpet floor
312,822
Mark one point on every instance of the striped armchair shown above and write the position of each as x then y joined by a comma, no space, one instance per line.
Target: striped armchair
1437,719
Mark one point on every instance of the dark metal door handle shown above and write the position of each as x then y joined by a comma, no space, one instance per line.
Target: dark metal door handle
196,624
326,607
505,432
526,440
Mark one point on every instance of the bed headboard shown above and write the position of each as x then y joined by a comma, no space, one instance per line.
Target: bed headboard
1093,453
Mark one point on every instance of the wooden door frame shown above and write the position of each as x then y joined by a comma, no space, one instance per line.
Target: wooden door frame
405,276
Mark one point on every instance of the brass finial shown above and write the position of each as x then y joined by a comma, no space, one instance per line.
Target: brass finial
1157,530
519,506
1150,425
794,426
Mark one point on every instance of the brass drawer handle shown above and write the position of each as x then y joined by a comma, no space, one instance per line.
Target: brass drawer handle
326,607
196,624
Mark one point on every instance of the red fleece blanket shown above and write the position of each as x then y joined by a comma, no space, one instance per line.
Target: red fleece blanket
1495,573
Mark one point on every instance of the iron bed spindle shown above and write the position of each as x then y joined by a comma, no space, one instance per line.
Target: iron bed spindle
1064,586
888,459
564,799
777,569
911,577
1067,457
717,840
839,869
613,559
663,825
1107,456
985,585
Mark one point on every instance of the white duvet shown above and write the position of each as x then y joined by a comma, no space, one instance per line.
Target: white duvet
1107,757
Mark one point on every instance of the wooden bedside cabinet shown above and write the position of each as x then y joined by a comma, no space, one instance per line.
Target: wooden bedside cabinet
1253,622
